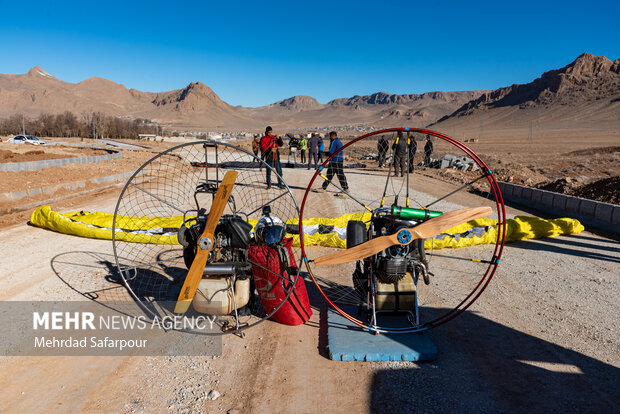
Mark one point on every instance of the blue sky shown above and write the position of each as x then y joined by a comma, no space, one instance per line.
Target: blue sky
255,53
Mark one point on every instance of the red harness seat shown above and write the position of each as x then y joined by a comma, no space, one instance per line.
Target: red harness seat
274,284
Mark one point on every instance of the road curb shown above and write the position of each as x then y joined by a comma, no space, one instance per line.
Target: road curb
51,189
39,165
604,216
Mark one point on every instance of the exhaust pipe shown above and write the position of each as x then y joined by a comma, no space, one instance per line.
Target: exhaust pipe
219,269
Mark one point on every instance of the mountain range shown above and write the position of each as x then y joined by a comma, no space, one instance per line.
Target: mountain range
584,92
586,89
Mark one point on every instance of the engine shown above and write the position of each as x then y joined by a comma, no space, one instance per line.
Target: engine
231,239
393,263
227,264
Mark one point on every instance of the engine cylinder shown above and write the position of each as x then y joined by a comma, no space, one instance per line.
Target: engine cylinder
393,269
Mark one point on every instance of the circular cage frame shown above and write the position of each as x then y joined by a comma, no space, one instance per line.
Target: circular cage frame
486,276
143,306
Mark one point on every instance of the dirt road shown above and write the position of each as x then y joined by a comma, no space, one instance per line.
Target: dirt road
542,338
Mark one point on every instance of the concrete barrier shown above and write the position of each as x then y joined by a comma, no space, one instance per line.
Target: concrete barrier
559,201
604,216
39,165
603,211
546,198
573,204
615,215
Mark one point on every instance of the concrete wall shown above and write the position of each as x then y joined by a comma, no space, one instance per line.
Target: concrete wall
39,165
597,214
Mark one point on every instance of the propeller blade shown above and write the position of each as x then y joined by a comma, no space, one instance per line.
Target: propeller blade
358,252
205,243
435,226
426,230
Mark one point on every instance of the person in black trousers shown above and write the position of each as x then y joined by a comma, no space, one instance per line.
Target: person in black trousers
400,154
313,150
335,165
270,144
413,147
428,150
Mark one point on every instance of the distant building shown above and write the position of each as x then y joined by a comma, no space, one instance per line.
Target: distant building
146,136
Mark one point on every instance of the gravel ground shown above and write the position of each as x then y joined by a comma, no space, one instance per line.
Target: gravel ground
542,338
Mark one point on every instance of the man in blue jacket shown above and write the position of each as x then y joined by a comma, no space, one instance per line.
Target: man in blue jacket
335,165
321,149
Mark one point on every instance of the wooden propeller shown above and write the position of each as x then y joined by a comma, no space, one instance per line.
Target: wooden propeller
403,237
205,243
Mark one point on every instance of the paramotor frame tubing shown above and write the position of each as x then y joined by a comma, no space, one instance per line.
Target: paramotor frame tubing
488,274
142,303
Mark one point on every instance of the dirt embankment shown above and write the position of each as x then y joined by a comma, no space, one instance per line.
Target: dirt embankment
606,190
592,173
25,153
78,176
25,180
34,155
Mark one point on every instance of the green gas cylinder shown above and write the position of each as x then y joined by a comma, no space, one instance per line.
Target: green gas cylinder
418,214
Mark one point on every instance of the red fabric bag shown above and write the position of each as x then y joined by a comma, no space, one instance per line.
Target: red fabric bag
273,288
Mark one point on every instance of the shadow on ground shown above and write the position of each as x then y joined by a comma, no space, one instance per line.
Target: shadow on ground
484,366
574,245
92,275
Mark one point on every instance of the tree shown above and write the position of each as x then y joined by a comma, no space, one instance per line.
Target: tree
88,124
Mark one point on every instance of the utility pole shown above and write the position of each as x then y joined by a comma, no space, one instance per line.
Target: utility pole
23,125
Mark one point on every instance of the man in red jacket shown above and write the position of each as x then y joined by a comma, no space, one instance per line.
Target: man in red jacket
269,145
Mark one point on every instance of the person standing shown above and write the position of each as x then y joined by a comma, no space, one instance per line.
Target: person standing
255,145
321,148
313,150
303,146
336,164
413,148
270,144
292,150
428,150
382,146
256,149
400,154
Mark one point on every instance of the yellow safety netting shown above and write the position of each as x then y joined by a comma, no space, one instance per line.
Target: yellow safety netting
485,231
98,225
328,232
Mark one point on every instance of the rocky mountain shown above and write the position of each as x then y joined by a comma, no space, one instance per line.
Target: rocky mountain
282,109
589,85
198,106
422,109
194,105
383,98
380,108
298,103
194,98
586,89
39,92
